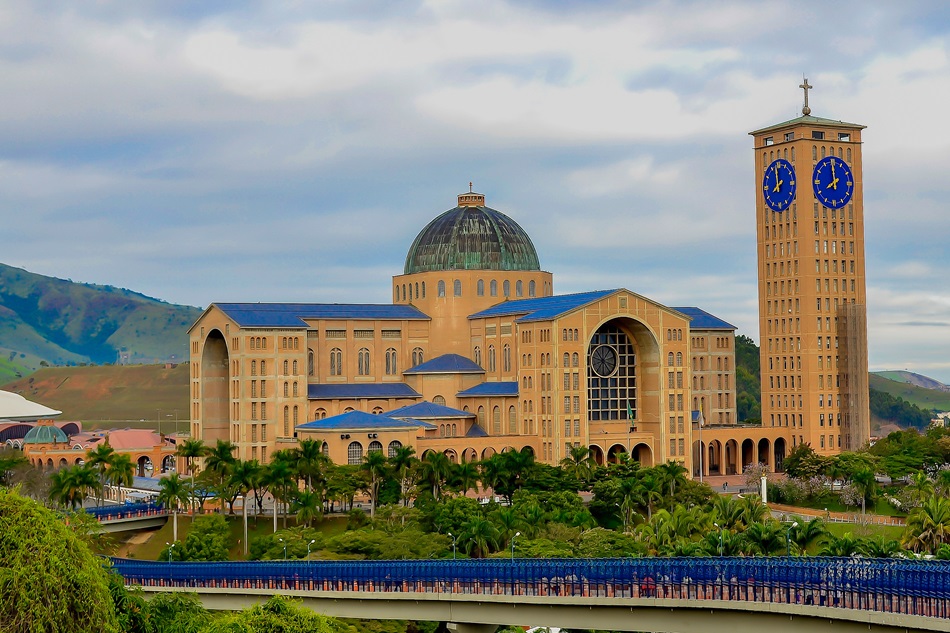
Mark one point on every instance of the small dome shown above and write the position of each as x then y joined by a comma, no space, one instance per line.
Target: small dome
45,434
472,237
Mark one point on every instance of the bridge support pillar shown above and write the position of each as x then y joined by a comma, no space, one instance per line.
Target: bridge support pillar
469,627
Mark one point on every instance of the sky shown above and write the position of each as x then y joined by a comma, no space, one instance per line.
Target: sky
291,151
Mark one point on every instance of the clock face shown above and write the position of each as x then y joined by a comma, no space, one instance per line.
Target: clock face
603,360
778,185
833,182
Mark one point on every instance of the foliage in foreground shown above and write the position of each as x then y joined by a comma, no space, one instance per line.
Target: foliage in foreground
50,581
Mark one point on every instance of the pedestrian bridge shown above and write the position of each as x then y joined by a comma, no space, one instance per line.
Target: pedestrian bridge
123,518
682,595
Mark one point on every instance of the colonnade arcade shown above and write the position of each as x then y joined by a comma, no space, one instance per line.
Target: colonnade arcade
732,455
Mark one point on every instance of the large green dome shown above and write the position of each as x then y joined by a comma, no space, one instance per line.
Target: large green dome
472,237
45,434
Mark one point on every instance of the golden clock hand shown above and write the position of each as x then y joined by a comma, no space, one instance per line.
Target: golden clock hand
833,184
834,179
778,182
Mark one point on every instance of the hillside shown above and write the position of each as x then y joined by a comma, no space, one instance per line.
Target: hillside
911,378
66,323
924,398
111,396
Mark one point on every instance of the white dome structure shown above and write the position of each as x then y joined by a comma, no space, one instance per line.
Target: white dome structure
15,407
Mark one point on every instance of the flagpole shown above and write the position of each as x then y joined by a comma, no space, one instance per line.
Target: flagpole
701,451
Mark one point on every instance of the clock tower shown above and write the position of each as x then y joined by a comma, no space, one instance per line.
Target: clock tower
812,296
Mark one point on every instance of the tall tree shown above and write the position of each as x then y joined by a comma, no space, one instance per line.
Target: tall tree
121,471
279,479
220,461
579,462
98,459
672,473
402,463
245,477
173,492
191,450
434,470
70,486
376,467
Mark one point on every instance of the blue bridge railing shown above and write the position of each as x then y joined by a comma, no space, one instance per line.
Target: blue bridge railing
127,511
892,586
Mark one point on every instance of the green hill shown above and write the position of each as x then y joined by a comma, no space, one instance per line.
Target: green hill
66,323
927,399
112,396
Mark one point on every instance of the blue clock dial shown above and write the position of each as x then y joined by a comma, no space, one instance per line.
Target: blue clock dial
833,182
778,185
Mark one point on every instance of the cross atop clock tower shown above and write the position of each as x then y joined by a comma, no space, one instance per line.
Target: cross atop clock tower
811,281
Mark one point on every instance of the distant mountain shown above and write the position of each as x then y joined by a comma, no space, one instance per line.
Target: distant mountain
45,320
911,378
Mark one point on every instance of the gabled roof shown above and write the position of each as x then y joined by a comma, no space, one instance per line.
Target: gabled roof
486,389
476,431
702,320
542,308
292,315
428,411
357,420
447,364
809,120
342,391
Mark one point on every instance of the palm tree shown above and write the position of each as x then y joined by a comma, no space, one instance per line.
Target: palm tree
279,479
765,538
728,512
310,462
863,479
434,469
245,476
928,526
220,461
881,547
97,459
121,471
632,497
69,487
672,473
306,506
402,463
652,489
507,521
921,485
479,536
375,466
847,545
173,491
753,510
943,481
191,449
808,533
578,462
465,476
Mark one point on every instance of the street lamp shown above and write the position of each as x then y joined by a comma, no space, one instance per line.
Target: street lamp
171,546
788,538
285,547
517,534
453,545
720,537
308,548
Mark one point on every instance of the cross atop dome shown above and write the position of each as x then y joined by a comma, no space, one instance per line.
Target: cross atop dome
806,87
471,199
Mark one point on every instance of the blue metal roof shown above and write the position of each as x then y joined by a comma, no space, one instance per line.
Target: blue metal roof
292,314
490,389
356,420
342,391
702,320
476,431
447,364
542,308
428,410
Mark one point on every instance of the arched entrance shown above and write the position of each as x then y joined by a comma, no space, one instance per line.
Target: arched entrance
451,455
613,455
732,457
597,454
469,455
748,454
764,453
215,397
168,464
780,450
488,452
143,467
714,458
643,454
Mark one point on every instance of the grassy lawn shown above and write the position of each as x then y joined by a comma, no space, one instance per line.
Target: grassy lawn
887,531
832,503
151,549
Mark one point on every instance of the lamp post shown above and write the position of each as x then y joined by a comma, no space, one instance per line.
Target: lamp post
788,538
312,541
285,547
517,534
720,538
171,546
701,450
453,545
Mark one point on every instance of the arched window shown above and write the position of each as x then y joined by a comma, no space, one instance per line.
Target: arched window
375,447
496,420
481,417
519,288
286,367
253,367
354,454
575,359
286,389
506,288
296,393
310,363
417,290
493,288
441,288
441,430
295,368
506,358
296,420
320,414
362,358
679,359
286,421
457,288
439,400
480,288
263,369
478,356
512,421
325,449
394,447
491,358
336,362
669,359
377,410
390,362
417,356
531,289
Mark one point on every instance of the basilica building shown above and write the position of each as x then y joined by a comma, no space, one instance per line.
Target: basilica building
475,355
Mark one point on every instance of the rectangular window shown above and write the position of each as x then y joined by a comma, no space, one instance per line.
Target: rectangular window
790,136
769,141
672,424
818,136
844,136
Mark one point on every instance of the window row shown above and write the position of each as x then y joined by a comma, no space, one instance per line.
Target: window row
354,452
674,334
364,361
